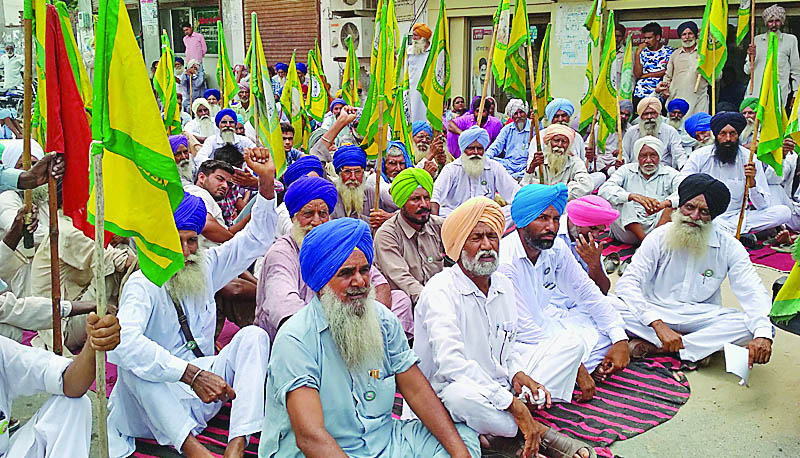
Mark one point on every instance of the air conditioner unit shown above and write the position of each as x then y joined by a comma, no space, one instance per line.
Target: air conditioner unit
350,7
362,29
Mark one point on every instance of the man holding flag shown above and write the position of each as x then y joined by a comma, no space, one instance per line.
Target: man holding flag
788,57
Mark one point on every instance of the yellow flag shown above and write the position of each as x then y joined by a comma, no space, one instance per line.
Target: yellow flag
317,96
711,48
605,96
587,107
434,85
770,111
292,102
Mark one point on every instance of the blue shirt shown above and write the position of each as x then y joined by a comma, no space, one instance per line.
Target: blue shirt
357,407
293,155
512,145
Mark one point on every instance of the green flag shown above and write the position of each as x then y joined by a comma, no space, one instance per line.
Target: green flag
501,21
594,21
516,60
625,83
542,81
292,102
711,47
434,85
605,96
743,20
164,84
770,111
587,107
350,76
225,79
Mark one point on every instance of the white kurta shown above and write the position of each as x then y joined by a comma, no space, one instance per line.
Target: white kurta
764,216
215,142
788,65
684,292
193,127
579,182
19,279
780,188
149,400
674,154
453,187
416,63
62,426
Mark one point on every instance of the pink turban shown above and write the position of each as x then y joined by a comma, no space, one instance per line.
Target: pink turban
591,210
558,129
649,102
460,223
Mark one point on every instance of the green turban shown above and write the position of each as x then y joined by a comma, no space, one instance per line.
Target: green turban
407,181
751,102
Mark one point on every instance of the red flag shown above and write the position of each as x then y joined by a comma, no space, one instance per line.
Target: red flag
68,130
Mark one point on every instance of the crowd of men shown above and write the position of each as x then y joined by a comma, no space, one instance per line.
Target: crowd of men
468,275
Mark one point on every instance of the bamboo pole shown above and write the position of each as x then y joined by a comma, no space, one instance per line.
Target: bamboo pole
26,128
535,108
714,77
752,42
619,128
592,142
488,77
747,184
55,268
100,294
379,164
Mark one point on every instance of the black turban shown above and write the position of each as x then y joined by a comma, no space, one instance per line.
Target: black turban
716,193
724,118
687,25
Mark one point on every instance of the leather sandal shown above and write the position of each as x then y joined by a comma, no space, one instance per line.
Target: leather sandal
557,445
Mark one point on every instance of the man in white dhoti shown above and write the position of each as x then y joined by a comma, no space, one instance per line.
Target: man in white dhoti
170,383
671,294
62,427
538,262
644,192
465,325
727,161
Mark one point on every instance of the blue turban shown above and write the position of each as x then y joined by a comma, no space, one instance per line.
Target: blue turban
402,148
329,245
281,66
179,59
305,189
239,119
557,105
177,140
349,156
190,214
472,134
698,122
301,67
223,112
214,92
725,118
419,126
337,102
302,167
678,104
687,25
532,200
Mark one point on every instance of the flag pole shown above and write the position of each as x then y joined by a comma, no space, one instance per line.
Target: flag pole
379,162
752,42
488,77
26,128
746,184
535,120
714,76
100,295
55,268
592,143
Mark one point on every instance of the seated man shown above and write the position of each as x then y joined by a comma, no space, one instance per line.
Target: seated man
395,160
780,187
408,246
559,111
339,361
644,192
212,185
727,161
608,161
183,158
748,109
510,148
170,384
698,127
356,197
558,165
202,126
471,175
292,153
671,294
537,262
214,98
63,425
430,153
676,110
650,123
226,122
471,361
281,290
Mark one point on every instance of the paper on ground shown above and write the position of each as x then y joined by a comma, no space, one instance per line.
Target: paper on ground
737,361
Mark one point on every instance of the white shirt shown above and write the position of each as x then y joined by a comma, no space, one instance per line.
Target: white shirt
579,182
12,70
194,128
416,63
454,187
460,334
628,179
19,280
215,142
534,285
674,154
780,187
661,284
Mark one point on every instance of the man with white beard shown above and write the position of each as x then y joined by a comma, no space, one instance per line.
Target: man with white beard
671,293
356,197
681,78
183,159
560,111
417,57
510,148
748,109
644,192
558,164
202,126
698,128
226,122
650,123
471,175
429,153
214,98
170,384
339,362
465,335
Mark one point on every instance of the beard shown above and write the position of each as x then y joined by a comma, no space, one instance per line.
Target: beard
422,149
683,237
708,141
421,217
299,232
538,242
521,124
40,196
354,327
556,159
228,135
473,165
649,127
418,46
747,132
191,282
689,43
648,169
676,123
185,169
206,125
726,152
180,71
351,197
477,267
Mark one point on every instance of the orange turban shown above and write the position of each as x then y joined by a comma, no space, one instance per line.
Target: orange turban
423,30
558,129
458,225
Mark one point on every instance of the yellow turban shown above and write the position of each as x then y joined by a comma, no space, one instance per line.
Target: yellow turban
458,225
649,102
558,129
423,30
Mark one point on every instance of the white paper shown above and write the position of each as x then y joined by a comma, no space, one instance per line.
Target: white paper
736,361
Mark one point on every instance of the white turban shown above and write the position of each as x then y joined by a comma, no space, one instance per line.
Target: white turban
192,63
514,105
200,101
11,151
774,12
650,141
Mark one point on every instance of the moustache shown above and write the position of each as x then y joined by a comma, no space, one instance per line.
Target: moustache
423,211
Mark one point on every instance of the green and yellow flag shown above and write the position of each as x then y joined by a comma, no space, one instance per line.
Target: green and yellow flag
711,47
264,114
516,60
787,302
164,84
501,21
434,85
770,112
292,102
625,83
75,58
793,124
401,126
605,96
317,97
594,21
225,78
587,107
542,81
743,20
139,170
350,76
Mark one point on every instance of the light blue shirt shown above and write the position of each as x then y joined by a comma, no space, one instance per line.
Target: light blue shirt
9,178
513,145
357,407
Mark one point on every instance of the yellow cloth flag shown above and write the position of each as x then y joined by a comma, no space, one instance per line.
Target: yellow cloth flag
770,111
542,82
317,96
604,96
292,102
594,21
164,85
434,84
711,48
587,107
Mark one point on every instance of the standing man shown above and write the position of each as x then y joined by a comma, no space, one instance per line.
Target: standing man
649,62
417,57
193,82
681,76
13,66
616,67
788,57
195,44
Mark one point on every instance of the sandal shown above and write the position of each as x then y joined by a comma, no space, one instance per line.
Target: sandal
557,445
782,248
611,263
623,265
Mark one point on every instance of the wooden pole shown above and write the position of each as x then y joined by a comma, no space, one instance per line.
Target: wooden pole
55,268
714,77
752,42
100,295
592,142
535,121
379,164
26,128
488,78
747,184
